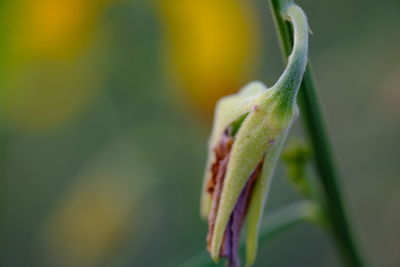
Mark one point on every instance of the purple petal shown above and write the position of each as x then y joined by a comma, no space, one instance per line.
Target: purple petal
231,242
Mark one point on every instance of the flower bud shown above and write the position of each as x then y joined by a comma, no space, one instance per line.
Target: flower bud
248,133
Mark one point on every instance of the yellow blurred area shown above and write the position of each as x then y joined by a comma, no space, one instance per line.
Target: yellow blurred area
51,69
52,28
211,47
92,221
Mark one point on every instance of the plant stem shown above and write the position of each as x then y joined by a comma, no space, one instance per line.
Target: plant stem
278,222
314,122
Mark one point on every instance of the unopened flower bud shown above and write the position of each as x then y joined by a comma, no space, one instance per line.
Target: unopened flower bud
248,133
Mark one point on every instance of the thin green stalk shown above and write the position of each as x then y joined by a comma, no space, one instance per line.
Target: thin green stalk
314,122
278,222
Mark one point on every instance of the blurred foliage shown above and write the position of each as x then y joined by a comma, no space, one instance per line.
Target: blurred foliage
89,225
96,215
296,157
101,156
52,71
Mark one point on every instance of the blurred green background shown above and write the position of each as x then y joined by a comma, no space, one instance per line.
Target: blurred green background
106,106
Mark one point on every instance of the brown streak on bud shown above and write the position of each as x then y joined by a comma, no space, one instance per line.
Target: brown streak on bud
215,182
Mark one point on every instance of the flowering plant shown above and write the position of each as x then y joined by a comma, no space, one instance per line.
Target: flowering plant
249,131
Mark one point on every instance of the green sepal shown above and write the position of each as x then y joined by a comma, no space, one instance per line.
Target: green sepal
259,198
229,111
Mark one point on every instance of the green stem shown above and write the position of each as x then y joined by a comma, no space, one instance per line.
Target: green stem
277,222
314,122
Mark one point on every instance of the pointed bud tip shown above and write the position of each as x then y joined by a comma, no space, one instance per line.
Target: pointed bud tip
215,257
